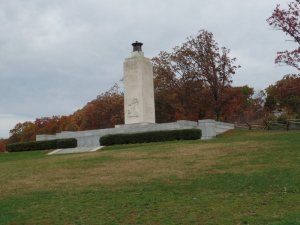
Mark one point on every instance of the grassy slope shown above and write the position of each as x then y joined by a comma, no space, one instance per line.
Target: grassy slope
240,178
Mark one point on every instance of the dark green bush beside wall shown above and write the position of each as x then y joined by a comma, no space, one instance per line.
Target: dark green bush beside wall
42,145
66,143
153,136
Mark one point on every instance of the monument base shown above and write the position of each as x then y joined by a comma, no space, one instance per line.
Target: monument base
90,138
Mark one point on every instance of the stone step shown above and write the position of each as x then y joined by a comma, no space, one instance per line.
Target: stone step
74,150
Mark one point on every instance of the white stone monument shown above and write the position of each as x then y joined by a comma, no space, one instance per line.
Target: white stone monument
139,91
139,109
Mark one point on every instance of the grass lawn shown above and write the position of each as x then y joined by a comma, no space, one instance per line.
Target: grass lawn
242,177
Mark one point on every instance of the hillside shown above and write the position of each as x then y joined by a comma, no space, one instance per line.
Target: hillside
242,177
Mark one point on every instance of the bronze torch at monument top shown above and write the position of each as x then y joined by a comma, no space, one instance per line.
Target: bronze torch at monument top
137,46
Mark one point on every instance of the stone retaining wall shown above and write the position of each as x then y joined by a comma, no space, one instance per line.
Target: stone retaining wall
90,138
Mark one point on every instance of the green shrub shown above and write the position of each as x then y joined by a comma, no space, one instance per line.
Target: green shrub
42,145
152,136
66,143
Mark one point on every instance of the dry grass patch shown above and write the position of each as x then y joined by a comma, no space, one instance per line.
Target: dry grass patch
110,168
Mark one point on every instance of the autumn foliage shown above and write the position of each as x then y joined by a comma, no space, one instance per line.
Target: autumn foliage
193,80
103,112
288,21
284,96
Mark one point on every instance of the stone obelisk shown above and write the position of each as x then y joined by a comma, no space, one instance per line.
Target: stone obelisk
138,84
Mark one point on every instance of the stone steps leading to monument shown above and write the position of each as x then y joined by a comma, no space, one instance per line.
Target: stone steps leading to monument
74,150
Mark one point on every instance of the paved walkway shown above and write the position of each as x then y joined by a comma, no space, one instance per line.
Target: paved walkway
74,150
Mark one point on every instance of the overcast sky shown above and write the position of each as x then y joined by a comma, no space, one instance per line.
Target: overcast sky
56,55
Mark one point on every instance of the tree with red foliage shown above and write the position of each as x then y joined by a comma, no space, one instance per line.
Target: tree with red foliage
48,125
175,90
22,132
243,105
288,21
198,72
284,95
105,111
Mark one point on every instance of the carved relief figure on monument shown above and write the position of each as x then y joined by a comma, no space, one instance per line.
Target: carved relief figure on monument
133,108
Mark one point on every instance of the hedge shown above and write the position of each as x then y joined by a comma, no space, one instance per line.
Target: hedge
152,136
42,145
66,143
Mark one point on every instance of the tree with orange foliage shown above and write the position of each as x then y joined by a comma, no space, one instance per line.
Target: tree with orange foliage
22,132
243,105
48,125
284,95
104,112
198,73
288,21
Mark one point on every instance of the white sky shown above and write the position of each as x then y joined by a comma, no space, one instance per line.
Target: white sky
55,56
